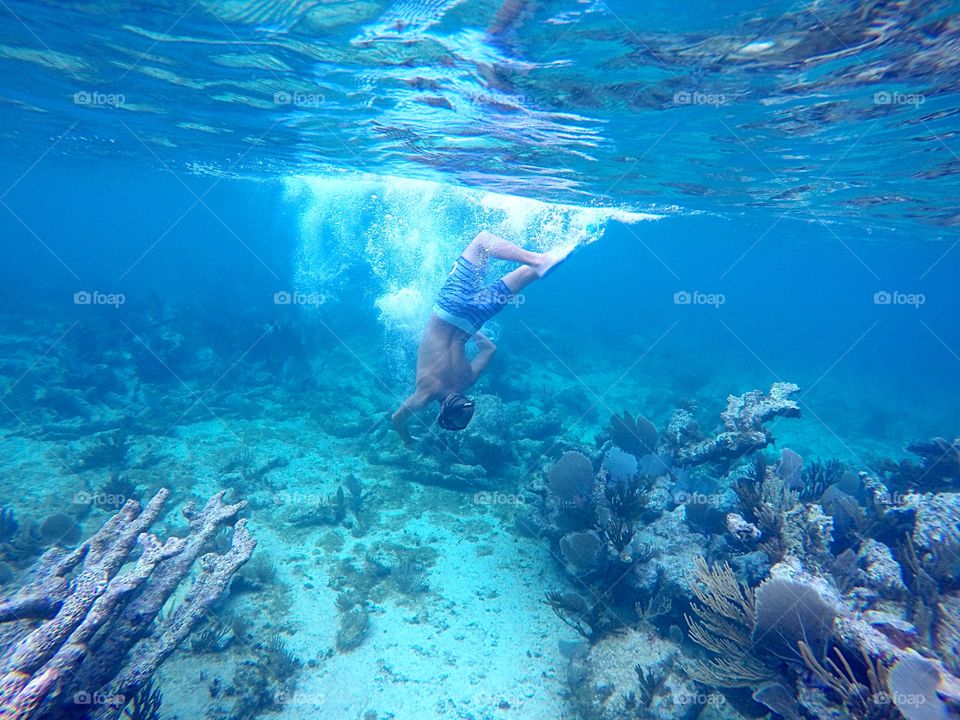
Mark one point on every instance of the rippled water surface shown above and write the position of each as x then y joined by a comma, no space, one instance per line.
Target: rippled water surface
822,109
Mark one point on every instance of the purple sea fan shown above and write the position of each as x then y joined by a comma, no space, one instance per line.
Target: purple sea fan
653,465
789,468
583,552
621,467
570,479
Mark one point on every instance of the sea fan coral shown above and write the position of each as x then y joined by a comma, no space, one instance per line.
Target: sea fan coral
620,466
570,479
789,612
583,551
635,435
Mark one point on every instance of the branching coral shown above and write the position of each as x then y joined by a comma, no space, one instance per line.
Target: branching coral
590,619
650,684
279,660
257,575
861,701
724,625
938,469
619,532
409,576
787,526
750,633
657,605
92,610
328,510
925,591
768,499
212,639
817,477
743,422
145,705
110,451
626,499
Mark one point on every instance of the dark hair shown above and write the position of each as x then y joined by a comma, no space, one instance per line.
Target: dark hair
456,412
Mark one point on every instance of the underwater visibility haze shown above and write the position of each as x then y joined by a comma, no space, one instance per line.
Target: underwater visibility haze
276,440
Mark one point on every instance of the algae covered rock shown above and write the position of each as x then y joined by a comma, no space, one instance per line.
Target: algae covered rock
936,535
633,674
882,571
354,624
487,441
676,548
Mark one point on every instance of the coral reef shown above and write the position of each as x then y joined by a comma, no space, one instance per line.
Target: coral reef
633,674
724,623
743,422
819,590
83,625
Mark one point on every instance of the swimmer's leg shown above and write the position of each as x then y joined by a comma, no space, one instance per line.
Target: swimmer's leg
517,280
486,245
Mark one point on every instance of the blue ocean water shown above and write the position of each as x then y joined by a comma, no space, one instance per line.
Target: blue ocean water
224,225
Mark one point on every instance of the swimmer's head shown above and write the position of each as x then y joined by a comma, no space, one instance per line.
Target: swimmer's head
456,411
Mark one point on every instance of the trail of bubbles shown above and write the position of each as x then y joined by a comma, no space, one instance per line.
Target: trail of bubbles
409,232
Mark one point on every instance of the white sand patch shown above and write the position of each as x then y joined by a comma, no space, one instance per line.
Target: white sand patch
478,644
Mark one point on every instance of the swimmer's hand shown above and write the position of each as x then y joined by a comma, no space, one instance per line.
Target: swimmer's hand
399,422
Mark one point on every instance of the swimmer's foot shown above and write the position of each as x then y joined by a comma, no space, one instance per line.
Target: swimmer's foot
553,259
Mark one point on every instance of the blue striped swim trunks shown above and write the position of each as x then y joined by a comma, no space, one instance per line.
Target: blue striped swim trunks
465,301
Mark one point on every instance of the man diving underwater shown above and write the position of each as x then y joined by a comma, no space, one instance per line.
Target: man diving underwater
464,304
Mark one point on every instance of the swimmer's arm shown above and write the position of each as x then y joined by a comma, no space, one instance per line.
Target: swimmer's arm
409,406
485,351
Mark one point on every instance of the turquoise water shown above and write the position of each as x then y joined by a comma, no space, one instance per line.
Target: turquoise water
224,225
